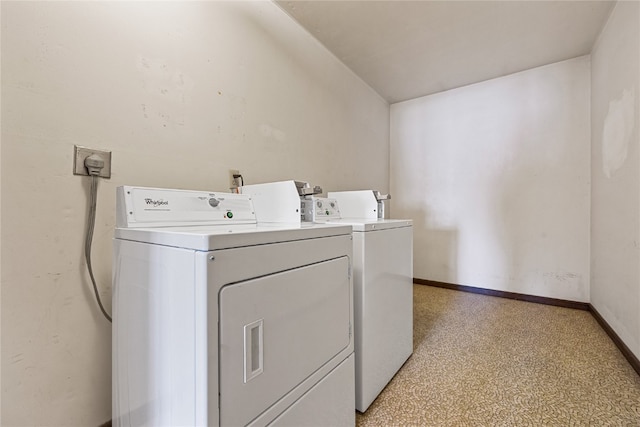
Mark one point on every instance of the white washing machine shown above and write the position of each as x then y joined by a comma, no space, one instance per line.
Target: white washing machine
290,202
383,290
220,321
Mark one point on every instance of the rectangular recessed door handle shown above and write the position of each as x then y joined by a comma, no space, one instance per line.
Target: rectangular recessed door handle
253,352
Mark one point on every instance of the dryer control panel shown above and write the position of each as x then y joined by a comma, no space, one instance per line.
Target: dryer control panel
161,207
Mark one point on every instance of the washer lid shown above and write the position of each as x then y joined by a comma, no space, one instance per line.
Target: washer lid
366,224
214,237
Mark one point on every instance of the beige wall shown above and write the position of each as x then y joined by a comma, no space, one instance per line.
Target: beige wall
496,178
615,174
179,92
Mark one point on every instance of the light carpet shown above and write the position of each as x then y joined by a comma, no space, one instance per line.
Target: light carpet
486,361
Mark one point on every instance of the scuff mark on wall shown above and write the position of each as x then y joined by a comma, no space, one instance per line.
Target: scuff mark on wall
273,134
616,135
569,281
168,92
562,276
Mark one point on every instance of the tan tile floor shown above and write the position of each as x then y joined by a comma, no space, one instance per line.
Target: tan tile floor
487,361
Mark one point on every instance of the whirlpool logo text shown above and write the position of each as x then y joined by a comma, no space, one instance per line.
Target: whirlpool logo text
156,203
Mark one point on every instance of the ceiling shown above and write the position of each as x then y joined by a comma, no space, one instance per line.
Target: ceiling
408,49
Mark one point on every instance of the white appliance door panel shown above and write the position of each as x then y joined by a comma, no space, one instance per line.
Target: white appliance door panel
383,290
235,267
328,403
277,330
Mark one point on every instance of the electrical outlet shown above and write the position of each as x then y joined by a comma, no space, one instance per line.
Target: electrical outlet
232,181
81,153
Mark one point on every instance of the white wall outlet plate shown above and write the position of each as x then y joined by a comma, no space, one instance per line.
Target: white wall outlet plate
232,172
80,153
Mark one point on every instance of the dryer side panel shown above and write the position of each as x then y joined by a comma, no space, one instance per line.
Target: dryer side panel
153,335
276,331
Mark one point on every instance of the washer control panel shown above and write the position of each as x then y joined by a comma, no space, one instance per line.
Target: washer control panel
318,209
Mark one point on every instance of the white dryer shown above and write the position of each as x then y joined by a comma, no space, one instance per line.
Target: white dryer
220,321
383,290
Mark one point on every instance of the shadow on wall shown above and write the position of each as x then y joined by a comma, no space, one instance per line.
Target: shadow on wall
435,249
441,264
435,258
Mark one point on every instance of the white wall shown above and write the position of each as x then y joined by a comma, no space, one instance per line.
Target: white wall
180,92
0,229
496,177
615,207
